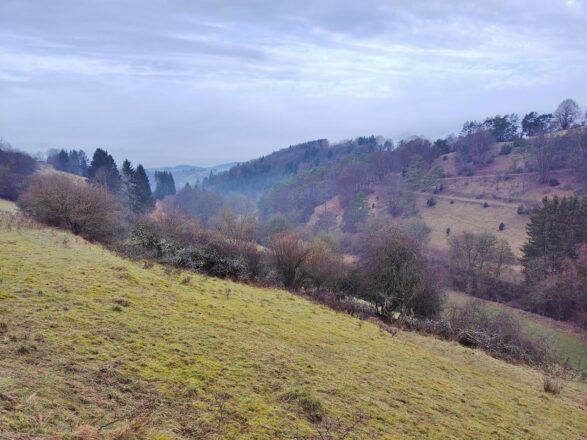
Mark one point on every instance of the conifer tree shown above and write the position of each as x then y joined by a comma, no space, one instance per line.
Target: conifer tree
164,184
103,171
142,198
128,174
554,232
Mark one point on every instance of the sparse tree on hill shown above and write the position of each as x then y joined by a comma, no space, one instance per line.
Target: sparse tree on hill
534,124
566,113
541,151
475,148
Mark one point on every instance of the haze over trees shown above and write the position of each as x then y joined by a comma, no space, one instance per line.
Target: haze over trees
74,161
164,185
104,172
15,170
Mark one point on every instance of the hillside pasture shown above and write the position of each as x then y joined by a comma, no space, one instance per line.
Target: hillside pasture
95,346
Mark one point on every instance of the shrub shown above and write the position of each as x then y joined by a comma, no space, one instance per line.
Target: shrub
431,202
15,169
395,275
501,226
72,204
182,242
552,384
324,266
553,182
522,210
485,205
288,255
452,202
444,157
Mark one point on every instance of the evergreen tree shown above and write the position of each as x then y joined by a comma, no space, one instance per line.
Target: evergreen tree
62,161
103,171
142,198
554,233
164,184
83,163
128,176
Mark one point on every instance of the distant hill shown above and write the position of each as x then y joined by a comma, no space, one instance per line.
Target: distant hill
258,175
183,174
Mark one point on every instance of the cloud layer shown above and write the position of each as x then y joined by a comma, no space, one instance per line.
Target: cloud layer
204,82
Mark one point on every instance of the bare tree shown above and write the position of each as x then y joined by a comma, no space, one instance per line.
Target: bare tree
566,113
324,265
541,151
396,276
478,260
243,227
288,255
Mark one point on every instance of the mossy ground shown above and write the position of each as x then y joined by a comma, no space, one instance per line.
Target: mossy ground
90,340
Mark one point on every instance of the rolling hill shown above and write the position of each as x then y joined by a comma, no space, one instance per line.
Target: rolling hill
95,346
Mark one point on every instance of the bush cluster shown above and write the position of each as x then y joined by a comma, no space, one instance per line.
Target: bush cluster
475,325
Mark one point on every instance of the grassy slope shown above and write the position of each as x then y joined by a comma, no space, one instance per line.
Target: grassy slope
5,205
75,352
565,340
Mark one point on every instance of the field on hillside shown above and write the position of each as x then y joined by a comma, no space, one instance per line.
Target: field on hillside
470,215
566,341
92,341
7,206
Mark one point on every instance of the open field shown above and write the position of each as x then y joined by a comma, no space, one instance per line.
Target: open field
470,215
91,340
568,342
8,206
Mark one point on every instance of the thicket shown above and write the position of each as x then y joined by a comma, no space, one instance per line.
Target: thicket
15,170
72,204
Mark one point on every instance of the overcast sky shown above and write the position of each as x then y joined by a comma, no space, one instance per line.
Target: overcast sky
205,82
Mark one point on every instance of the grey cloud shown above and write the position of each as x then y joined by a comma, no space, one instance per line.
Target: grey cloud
219,80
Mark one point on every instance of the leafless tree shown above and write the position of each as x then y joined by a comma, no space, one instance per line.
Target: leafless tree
288,255
566,113
477,259
541,151
395,274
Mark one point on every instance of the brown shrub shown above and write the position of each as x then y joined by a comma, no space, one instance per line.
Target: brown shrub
72,204
552,384
288,255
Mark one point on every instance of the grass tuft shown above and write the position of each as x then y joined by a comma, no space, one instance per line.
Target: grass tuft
309,403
